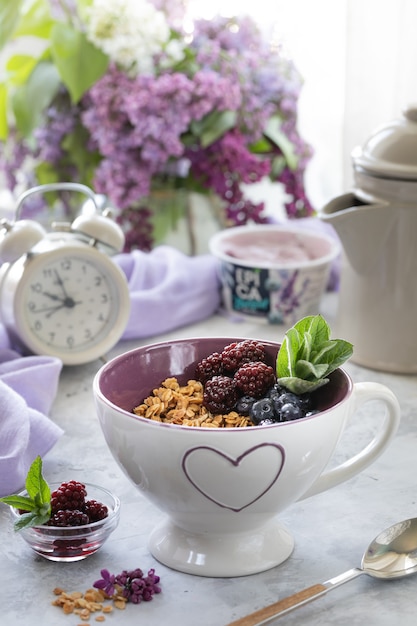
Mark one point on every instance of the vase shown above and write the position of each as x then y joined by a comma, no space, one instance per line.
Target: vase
186,220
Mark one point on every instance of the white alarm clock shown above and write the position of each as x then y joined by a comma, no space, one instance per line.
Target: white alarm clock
60,293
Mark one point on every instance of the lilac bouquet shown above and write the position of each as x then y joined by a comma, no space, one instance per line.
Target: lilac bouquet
129,98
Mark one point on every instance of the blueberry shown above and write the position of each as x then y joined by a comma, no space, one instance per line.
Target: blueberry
290,412
275,391
244,405
262,410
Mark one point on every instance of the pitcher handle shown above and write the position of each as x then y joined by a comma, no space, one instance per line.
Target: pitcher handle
362,393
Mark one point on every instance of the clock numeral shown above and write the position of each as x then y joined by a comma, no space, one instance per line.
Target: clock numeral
97,281
36,287
104,298
31,305
70,341
66,264
88,334
37,325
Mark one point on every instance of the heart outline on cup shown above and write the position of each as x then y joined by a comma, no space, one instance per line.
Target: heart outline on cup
235,462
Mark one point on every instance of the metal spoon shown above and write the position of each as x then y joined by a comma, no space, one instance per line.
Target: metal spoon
392,554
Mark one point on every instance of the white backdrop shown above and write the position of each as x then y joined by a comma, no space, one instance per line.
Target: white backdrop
358,59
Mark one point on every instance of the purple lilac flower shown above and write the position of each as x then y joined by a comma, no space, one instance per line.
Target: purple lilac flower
143,132
12,158
106,582
135,587
173,9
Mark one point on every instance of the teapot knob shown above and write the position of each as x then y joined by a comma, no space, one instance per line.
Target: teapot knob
411,112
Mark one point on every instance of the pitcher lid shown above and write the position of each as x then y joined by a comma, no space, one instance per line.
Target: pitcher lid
391,151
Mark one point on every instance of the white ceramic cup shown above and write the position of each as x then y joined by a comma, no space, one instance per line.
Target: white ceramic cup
222,489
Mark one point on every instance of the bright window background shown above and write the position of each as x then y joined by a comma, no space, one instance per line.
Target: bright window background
358,59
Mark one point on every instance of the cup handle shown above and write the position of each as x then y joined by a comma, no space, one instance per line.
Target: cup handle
362,393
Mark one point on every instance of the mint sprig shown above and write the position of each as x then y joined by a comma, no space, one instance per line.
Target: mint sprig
38,501
307,355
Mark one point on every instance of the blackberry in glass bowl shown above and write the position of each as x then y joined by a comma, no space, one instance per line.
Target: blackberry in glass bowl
74,534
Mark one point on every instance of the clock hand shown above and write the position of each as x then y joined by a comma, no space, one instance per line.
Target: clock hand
60,282
49,310
67,300
53,296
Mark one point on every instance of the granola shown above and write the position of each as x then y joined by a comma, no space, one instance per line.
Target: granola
173,403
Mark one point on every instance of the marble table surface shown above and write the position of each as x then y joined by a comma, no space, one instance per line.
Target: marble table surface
331,530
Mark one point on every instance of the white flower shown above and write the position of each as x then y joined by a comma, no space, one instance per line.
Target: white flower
130,32
174,53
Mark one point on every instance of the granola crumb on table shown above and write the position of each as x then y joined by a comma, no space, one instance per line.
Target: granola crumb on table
172,403
84,605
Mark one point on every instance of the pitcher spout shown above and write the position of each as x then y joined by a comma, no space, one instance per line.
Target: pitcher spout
362,228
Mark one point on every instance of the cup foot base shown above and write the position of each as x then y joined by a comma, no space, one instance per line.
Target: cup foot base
222,554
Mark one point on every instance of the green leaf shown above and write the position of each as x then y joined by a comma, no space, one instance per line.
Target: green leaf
38,501
85,161
4,128
19,502
213,126
36,485
30,519
310,371
80,64
335,354
273,133
35,20
9,18
30,99
19,68
308,355
300,386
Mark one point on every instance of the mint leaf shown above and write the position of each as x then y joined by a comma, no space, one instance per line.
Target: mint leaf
38,501
20,502
300,386
307,355
30,519
36,485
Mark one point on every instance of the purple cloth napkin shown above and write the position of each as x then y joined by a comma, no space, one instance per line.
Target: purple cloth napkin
168,289
28,387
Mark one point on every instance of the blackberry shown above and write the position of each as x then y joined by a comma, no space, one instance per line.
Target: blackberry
262,412
69,496
237,353
209,367
71,517
96,511
254,379
220,394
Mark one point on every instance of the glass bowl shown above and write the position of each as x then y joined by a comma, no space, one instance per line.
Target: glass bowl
73,543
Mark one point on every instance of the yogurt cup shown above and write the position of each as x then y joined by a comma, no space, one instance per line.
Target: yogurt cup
272,273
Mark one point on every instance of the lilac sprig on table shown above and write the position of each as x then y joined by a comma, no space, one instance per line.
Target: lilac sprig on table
133,585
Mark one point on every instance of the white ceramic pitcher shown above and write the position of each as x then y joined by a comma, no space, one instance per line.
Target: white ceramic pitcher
377,225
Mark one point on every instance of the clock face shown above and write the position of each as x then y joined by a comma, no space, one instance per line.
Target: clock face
72,304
